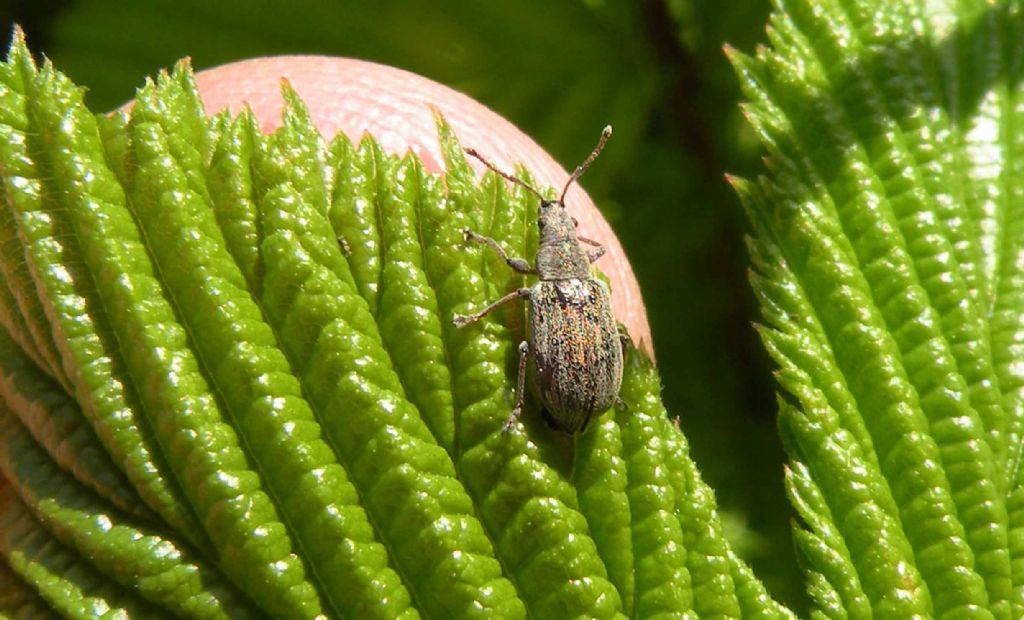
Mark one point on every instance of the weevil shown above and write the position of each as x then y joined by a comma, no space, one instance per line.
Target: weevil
573,347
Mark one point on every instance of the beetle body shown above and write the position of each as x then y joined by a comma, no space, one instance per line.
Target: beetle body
573,349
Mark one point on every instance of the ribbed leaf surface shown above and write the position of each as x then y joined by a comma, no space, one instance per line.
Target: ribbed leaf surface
887,251
231,387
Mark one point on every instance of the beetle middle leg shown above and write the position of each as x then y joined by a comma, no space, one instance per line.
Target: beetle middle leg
524,353
466,319
519,264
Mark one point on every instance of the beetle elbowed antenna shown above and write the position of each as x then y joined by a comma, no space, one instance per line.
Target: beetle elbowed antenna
576,174
580,169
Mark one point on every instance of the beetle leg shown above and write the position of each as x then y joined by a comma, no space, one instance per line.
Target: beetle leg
465,319
518,264
346,249
596,253
524,352
624,341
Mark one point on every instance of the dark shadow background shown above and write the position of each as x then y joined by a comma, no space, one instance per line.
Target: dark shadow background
561,70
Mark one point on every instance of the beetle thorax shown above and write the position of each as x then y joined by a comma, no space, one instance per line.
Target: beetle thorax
559,256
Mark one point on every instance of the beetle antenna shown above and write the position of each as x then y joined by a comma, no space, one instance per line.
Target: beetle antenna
502,173
580,169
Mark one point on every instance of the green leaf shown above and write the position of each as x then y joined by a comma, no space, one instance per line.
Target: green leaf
883,237
18,601
133,555
57,424
269,410
90,354
63,579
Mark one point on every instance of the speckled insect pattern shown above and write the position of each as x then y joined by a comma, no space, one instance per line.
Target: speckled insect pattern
573,352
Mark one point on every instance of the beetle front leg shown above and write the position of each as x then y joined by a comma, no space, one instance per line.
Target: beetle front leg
595,253
461,320
524,353
518,264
